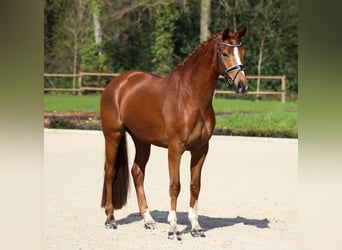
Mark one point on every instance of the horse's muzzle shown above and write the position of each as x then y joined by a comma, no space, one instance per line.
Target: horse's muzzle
241,88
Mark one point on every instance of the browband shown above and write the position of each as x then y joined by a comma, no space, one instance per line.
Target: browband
229,44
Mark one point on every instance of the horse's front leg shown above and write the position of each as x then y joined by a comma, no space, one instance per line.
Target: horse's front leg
174,155
197,160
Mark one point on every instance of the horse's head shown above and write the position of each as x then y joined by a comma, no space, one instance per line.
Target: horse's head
229,59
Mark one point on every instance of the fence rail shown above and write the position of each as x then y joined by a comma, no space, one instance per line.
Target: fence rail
81,87
282,92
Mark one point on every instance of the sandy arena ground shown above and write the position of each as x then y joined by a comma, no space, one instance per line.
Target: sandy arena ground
248,198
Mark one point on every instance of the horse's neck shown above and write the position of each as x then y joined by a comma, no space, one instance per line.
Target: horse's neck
198,73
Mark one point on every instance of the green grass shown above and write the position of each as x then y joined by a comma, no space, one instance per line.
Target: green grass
271,123
63,103
251,118
229,105
233,116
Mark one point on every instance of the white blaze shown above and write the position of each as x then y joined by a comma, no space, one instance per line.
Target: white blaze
237,57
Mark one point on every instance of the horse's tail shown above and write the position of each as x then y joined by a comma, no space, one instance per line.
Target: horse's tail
121,179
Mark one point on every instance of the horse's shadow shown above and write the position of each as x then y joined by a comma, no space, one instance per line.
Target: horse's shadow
206,222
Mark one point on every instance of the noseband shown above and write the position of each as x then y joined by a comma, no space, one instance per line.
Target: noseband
238,67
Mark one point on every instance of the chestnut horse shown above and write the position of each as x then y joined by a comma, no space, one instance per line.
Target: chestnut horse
174,112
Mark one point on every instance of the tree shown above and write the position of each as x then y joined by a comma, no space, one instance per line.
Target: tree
205,19
154,35
74,27
278,29
163,47
93,58
96,9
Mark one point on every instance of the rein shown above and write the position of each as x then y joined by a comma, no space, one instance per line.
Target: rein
238,67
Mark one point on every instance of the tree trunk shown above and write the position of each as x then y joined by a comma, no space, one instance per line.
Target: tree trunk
97,31
262,42
234,22
75,64
205,19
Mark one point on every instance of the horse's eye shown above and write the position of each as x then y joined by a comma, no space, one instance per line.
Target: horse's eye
225,54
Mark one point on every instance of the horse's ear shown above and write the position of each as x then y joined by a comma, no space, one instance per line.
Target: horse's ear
242,32
225,34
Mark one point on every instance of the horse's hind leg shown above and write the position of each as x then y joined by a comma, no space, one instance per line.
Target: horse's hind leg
138,172
111,148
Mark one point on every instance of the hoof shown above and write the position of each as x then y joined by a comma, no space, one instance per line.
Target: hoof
171,235
150,226
111,224
197,233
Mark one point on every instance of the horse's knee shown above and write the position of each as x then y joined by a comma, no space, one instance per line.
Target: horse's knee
175,189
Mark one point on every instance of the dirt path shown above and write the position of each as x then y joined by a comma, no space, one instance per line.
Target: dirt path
247,201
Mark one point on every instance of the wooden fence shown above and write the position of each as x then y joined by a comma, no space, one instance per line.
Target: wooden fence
82,87
80,76
282,92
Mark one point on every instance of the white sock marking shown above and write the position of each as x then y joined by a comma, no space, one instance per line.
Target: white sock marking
147,217
193,212
193,217
172,218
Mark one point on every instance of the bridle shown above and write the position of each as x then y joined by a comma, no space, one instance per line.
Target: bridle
238,67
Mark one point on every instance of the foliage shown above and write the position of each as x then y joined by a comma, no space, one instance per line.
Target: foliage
163,48
59,122
91,61
156,35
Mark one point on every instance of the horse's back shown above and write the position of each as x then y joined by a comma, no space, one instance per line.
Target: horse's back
129,77
122,84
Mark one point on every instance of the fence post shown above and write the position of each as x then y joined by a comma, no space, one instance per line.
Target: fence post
80,84
283,88
258,89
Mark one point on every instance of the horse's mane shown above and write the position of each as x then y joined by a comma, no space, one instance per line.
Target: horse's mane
198,48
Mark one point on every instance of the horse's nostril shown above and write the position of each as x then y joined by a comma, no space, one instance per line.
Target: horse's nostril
242,87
